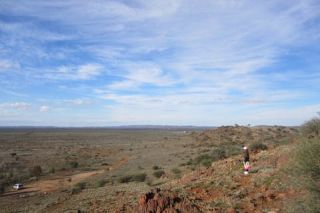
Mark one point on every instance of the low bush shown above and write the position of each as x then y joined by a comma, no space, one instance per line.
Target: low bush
306,173
133,178
100,183
78,187
258,147
206,163
52,170
311,128
207,159
74,164
176,171
219,154
139,177
1,188
125,179
156,167
308,162
158,173
36,171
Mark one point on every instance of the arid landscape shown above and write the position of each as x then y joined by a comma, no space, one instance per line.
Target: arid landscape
114,170
152,106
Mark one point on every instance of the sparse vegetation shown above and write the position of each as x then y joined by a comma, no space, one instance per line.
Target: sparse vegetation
82,153
74,164
311,128
158,173
133,178
78,187
1,188
100,183
36,171
156,167
207,159
258,147
52,170
308,172
176,171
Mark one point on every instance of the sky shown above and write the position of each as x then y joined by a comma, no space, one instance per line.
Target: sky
159,62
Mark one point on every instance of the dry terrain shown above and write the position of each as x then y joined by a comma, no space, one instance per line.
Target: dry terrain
110,170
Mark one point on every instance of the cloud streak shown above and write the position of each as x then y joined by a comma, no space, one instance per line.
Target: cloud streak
173,56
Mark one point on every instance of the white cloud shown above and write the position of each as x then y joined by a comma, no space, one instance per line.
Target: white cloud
15,106
44,108
78,101
82,72
7,64
140,74
88,71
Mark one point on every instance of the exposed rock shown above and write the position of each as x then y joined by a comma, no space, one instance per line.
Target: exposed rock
158,201
231,210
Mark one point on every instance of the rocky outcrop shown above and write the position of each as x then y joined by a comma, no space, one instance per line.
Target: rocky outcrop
158,201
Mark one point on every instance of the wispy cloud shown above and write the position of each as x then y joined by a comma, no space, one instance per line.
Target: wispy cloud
81,72
164,56
15,106
7,65
44,108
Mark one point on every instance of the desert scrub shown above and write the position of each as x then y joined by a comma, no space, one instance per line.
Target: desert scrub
258,147
311,128
156,167
1,188
308,162
74,164
52,170
306,172
100,183
78,187
36,171
158,173
177,172
133,178
219,154
207,159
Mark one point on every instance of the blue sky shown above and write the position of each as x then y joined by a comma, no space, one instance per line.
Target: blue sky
173,62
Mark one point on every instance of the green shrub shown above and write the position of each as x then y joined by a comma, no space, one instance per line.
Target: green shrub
81,185
201,158
125,179
158,173
133,178
258,147
311,128
176,171
1,188
206,163
306,170
156,167
139,177
78,187
74,164
308,161
100,183
233,150
207,159
36,171
52,170
219,154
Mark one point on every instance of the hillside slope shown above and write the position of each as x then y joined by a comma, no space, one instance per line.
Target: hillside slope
222,187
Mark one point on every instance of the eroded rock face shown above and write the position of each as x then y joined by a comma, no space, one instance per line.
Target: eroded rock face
158,201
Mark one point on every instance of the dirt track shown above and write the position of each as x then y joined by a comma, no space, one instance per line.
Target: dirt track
55,184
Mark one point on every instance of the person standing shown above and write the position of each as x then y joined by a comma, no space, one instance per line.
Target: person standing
246,159
246,156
